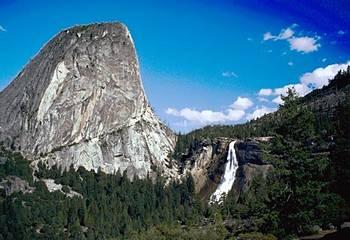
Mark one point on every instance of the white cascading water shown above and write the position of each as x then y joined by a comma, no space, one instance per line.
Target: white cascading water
229,175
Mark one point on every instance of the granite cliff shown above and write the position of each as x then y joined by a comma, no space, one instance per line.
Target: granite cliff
81,101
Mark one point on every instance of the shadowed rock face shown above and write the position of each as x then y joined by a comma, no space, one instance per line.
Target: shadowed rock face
249,152
80,101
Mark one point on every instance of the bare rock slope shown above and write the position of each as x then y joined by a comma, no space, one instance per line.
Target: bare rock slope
80,101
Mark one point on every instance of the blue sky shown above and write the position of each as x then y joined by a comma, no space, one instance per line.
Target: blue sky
202,62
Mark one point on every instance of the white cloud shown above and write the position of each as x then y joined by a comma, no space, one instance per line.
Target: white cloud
207,116
268,36
301,89
308,81
284,34
290,63
262,99
229,74
173,111
320,76
2,29
234,112
259,112
277,100
341,32
304,44
265,92
242,103
324,59
250,39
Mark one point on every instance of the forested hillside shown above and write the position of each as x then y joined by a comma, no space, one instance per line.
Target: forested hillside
306,190
310,152
110,205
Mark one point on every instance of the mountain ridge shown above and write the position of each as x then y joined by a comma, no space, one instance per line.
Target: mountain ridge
326,100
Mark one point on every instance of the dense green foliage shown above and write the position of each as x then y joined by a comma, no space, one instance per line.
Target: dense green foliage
111,205
307,187
256,236
340,153
14,164
177,232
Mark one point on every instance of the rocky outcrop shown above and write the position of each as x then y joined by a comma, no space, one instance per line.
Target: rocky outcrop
251,164
326,101
249,151
206,162
12,184
80,101
53,187
246,173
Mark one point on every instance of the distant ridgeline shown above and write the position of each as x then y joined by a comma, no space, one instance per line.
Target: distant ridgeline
331,98
306,190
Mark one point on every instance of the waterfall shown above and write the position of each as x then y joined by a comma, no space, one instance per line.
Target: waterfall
229,175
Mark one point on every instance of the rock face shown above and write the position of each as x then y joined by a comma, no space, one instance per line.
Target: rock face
206,163
249,152
246,173
80,101
251,164
12,184
52,187
326,101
